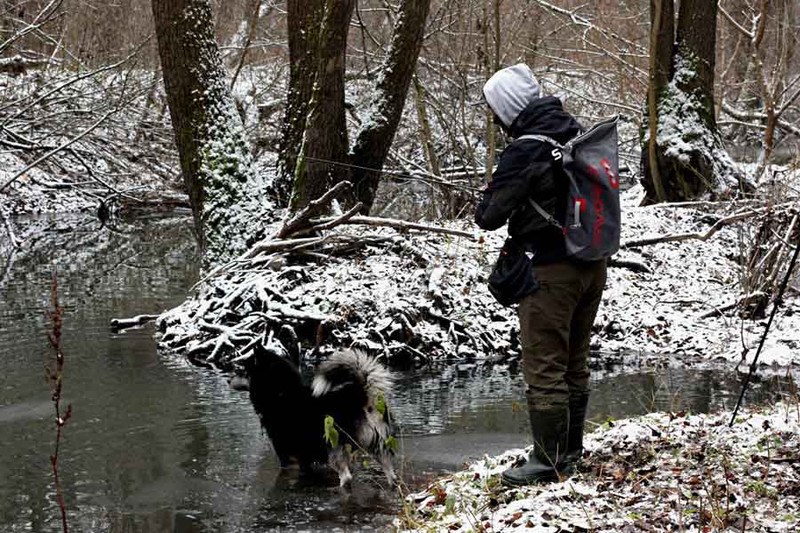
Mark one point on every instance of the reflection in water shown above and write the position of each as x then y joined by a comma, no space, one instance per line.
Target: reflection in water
156,445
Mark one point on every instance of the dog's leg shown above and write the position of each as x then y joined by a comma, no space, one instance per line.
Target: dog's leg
385,459
340,462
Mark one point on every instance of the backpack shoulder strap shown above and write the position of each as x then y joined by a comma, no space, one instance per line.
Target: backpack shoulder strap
541,138
544,214
539,209
556,157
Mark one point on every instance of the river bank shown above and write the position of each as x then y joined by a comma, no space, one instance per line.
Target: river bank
658,472
410,297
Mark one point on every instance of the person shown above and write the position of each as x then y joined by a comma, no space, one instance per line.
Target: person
555,319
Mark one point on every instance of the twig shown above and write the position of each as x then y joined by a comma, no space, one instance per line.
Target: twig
336,221
775,307
744,300
56,382
314,207
400,225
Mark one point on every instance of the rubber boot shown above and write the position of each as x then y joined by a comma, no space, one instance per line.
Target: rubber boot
578,403
549,428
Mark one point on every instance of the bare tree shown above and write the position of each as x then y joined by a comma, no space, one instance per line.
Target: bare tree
324,137
377,132
302,16
773,86
215,160
682,153
316,111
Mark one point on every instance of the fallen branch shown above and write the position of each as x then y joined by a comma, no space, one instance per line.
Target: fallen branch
125,323
747,299
680,237
314,207
56,150
19,64
335,222
636,266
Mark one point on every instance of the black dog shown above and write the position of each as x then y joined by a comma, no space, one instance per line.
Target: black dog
350,387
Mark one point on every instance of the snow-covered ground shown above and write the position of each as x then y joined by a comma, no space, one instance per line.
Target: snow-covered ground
423,295
658,472
666,311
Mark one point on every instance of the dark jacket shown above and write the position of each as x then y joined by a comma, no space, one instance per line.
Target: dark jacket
527,169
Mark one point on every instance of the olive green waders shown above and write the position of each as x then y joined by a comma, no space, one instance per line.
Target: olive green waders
555,330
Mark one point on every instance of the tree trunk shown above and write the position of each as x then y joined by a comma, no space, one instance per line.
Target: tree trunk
662,22
696,46
215,160
375,138
687,158
314,150
425,132
304,18
324,140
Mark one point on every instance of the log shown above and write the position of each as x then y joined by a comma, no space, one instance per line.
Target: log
125,323
636,266
19,65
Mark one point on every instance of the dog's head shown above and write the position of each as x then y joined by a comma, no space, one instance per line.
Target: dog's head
266,369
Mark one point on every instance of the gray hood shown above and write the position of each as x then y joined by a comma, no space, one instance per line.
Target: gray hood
510,91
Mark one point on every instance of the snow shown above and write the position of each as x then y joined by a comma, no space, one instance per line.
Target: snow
423,296
662,312
659,472
683,134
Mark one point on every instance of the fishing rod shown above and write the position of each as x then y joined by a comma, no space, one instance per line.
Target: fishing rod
775,307
425,178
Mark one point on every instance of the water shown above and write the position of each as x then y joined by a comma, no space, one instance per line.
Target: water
156,445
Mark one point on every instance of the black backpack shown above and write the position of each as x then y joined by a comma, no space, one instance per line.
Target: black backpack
591,163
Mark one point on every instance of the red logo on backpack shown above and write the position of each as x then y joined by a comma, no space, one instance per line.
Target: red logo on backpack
599,211
612,178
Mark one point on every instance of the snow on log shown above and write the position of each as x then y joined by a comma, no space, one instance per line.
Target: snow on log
370,285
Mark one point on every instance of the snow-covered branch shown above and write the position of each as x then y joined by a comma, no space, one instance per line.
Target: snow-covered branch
703,236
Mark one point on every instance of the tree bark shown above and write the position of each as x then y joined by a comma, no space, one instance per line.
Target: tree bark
325,134
215,159
375,138
683,157
316,115
696,44
304,18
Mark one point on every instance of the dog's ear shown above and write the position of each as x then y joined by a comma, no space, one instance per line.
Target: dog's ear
271,360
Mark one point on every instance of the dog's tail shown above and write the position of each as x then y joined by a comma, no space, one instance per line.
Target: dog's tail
348,368
352,388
